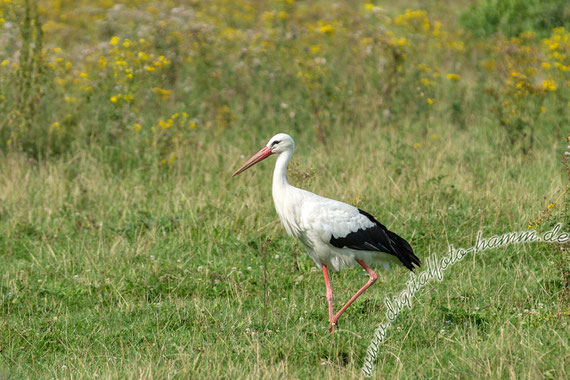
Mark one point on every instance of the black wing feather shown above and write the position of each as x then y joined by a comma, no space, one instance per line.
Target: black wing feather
378,238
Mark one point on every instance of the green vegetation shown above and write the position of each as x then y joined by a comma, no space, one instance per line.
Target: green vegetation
513,17
127,250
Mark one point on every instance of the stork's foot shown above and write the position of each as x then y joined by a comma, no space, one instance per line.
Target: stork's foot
332,325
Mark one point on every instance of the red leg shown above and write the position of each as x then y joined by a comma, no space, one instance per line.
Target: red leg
329,292
371,280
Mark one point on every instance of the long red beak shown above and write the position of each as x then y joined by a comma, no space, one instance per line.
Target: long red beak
259,156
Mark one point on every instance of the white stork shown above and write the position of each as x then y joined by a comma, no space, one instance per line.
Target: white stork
336,234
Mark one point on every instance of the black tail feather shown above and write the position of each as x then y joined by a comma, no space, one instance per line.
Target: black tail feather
404,251
378,238
398,246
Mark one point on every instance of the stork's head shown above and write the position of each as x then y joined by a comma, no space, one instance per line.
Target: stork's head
278,144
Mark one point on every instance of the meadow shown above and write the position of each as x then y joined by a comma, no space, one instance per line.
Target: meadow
128,251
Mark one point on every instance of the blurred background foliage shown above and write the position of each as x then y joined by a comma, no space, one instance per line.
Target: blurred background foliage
513,17
147,80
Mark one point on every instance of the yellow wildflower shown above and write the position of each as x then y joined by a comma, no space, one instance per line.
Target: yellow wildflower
164,94
121,62
402,41
115,41
267,16
4,63
454,77
430,101
142,56
327,29
165,124
423,68
369,7
163,60
456,45
549,85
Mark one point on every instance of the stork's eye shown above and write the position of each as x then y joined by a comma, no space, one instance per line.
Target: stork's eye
275,142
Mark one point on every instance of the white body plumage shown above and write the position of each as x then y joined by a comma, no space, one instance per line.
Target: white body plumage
315,219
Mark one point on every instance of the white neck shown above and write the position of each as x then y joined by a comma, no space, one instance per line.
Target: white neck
280,173
286,203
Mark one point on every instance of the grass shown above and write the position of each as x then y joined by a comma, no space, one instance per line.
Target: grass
134,254
137,274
